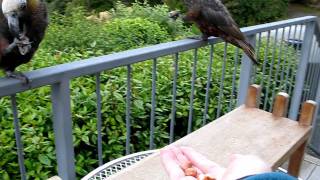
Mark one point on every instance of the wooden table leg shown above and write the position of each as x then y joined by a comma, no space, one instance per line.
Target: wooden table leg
306,117
296,160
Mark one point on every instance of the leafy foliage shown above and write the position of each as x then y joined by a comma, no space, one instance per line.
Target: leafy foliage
157,14
247,12
98,5
251,12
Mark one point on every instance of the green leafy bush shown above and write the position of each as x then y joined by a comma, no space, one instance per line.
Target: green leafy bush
131,33
251,12
157,14
98,5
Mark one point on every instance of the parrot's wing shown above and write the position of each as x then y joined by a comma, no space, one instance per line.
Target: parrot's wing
219,17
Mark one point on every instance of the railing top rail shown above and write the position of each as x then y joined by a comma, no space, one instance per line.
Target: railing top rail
278,24
55,74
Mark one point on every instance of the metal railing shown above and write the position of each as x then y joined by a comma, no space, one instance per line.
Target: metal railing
289,54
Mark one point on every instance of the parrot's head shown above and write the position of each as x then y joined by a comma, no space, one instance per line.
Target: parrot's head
177,7
13,10
174,14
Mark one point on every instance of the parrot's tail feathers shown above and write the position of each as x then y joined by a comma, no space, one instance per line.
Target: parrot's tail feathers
249,50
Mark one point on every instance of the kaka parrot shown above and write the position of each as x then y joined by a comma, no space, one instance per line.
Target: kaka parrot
22,27
213,19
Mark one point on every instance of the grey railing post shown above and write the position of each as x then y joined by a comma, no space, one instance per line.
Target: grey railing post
315,136
62,126
302,68
314,142
245,74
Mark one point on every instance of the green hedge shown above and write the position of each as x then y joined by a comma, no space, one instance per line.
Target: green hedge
245,12
251,12
98,5
65,42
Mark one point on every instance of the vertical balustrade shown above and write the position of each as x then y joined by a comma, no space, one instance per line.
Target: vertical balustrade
153,103
209,74
269,81
99,118
17,132
128,110
222,80
245,74
302,68
193,82
174,97
234,77
275,80
62,126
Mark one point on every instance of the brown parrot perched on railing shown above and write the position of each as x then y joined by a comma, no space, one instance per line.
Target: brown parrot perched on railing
22,27
213,19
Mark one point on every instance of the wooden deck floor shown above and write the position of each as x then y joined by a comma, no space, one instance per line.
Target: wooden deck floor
310,169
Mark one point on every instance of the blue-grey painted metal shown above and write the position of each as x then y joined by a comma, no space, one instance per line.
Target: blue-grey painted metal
314,142
299,82
222,80
315,81
174,96
286,63
269,81
265,59
289,68
19,144
153,103
316,78
245,74
277,69
234,76
128,110
255,68
310,73
207,98
193,82
99,118
62,126
298,51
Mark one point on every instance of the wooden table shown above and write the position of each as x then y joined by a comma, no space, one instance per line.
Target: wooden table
245,130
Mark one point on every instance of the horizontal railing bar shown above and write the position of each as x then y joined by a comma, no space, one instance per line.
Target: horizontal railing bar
54,74
277,25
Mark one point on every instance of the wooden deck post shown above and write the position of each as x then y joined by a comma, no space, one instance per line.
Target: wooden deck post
280,106
306,117
253,96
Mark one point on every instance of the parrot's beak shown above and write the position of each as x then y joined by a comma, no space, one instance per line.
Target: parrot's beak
14,26
174,15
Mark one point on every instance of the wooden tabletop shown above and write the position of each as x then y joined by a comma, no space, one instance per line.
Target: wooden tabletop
243,131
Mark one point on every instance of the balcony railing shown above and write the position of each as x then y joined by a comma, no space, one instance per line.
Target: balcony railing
289,54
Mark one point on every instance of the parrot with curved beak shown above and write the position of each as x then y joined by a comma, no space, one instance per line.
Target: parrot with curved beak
213,19
22,27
